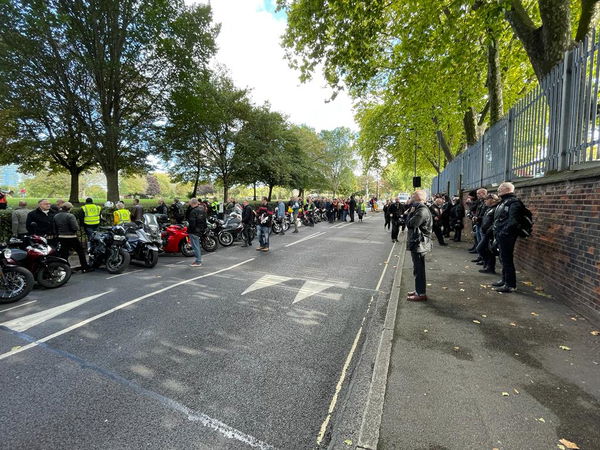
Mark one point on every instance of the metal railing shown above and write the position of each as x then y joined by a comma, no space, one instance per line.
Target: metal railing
554,127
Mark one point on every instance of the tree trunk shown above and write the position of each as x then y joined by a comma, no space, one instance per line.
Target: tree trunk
445,148
74,192
301,192
589,11
470,126
254,184
270,192
494,82
112,184
225,190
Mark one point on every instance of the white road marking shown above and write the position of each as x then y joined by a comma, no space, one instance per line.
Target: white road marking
116,308
124,273
31,320
340,382
266,281
314,235
311,287
18,306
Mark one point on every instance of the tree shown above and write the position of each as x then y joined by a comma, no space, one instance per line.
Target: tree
46,184
204,116
126,55
152,185
308,160
339,155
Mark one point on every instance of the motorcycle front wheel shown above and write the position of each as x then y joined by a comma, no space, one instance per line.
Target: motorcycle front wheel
53,275
15,283
209,243
117,263
150,259
276,228
185,247
225,238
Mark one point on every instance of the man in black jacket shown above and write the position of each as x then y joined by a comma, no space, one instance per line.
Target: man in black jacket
395,210
40,221
67,230
196,227
419,224
352,207
457,214
437,213
506,230
247,221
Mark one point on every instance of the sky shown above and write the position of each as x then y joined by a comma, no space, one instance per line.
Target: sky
249,46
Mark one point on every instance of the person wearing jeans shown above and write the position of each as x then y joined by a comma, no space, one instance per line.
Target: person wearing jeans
196,227
263,227
420,224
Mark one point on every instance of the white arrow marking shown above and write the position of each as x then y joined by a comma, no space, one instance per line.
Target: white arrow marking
266,281
311,287
26,322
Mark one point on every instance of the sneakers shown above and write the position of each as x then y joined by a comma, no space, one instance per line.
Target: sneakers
505,289
264,249
259,249
498,283
195,264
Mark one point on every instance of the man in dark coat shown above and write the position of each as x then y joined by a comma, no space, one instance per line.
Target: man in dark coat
352,206
506,230
437,212
40,221
420,225
196,228
457,214
247,221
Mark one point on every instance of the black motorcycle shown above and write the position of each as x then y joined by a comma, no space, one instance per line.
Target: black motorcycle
15,282
209,238
140,244
107,247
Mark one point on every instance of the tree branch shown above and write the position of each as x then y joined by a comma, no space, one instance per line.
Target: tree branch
586,19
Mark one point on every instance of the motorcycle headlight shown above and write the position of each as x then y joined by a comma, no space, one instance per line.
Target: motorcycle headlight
7,253
118,237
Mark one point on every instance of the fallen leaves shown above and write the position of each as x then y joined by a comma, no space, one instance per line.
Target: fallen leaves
534,314
512,324
456,349
461,290
477,322
15,348
484,316
527,283
505,394
516,392
595,333
569,444
541,419
348,442
564,347
425,331
444,288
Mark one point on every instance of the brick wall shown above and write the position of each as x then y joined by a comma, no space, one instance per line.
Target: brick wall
564,251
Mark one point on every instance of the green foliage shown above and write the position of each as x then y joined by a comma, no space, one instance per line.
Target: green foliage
338,156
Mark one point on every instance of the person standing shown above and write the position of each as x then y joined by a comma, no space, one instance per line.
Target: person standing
176,211
66,230
310,212
121,215
436,211
352,205
19,220
3,199
91,217
264,223
362,209
386,215
247,221
420,224
487,235
506,230
138,211
196,228
295,205
281,215
457,214
162,207
40,221
395,213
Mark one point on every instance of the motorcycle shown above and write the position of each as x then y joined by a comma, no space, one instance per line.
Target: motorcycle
16,282
175,239
209,239
108,247
229,230
140,244
36,255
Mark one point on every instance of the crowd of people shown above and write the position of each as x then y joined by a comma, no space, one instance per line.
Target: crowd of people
497,220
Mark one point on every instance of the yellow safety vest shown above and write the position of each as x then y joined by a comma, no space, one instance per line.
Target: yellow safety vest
91,214
122,216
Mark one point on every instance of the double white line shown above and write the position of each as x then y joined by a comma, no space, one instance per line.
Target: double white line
310,236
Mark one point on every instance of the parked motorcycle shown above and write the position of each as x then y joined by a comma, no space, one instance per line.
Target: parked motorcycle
15,282
140,244
229,230
107,247
209,238
175,239
36,255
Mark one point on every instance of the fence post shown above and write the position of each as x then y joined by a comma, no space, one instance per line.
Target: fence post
481,165
510,139
562,146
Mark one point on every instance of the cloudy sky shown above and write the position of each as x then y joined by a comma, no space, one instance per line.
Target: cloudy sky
249,45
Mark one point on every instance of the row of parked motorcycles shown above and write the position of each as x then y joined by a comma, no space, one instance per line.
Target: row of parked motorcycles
32,259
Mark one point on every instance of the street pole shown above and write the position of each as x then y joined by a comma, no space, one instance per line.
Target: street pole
415,152
439,166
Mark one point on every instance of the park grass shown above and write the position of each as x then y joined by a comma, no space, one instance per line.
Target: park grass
13,202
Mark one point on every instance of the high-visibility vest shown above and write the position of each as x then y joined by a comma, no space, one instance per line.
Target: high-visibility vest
91,214
122,216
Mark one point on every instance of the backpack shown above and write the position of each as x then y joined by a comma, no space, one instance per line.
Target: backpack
525,219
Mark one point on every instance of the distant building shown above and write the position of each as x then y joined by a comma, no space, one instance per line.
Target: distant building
10,176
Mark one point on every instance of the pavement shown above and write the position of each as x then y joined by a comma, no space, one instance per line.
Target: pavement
252,350
475,369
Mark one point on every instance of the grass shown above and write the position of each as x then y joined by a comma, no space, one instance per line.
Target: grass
13,202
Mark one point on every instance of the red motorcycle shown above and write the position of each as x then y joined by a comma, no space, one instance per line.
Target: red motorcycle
175,239
35,254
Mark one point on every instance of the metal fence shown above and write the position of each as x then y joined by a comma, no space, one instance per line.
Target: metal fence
554,127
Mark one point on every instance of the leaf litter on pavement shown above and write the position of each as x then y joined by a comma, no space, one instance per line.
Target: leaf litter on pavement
569,444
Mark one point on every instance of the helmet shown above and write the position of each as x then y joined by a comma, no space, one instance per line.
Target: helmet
109,204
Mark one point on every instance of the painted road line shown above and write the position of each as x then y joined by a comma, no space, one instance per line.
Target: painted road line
26,322
18,306
311,287
192,416
314,235
116,308
125,273
266,281
342,378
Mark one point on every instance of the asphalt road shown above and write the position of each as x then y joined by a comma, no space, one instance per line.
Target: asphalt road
247,351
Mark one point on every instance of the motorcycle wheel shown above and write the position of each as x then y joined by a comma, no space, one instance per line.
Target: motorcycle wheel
209,243
54,275
286,225
225,238
276,228
118,264
15,283
151,259
185,247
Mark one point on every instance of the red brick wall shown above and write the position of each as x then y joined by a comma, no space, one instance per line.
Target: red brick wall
564,251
